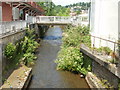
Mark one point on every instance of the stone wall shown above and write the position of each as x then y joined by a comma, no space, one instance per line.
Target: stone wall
4,40
10,38
102,73
102,69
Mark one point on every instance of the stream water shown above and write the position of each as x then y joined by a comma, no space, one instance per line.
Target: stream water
45,74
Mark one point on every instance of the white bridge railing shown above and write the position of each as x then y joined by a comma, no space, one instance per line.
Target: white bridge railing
15,26
58,19
53,19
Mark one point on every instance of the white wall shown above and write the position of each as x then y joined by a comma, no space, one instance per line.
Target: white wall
104,21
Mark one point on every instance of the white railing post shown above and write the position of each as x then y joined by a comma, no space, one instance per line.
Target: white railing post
40,19
54,19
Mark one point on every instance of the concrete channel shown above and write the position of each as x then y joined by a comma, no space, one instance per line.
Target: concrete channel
45,74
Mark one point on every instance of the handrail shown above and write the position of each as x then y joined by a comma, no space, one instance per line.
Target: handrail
114,49
105,39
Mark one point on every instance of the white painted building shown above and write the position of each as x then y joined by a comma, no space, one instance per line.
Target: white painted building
104,22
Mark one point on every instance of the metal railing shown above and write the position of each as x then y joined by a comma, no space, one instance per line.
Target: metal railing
13,26
101,42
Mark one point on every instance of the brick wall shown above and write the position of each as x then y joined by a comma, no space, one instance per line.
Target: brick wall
6,12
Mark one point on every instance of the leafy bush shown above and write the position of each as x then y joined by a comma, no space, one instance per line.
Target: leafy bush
10,50
28,59
87,64
107,50
70,59
23,50
29,45
72,40
76,35
30,33
86,40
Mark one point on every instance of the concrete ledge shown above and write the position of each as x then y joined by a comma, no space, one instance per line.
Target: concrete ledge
111,67
12,33
94,82
19,78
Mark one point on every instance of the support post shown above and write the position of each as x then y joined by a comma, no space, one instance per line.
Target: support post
54,19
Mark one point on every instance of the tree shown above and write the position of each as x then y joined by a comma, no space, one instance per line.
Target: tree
54,10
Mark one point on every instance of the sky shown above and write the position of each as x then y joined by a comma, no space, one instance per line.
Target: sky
67,2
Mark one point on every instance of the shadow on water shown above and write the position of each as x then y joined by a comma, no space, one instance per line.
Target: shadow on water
45,74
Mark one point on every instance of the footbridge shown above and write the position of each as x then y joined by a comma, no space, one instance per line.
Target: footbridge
59,20
56,20
17,26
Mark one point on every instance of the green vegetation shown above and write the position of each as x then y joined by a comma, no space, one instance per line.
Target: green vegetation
22,52
70,58
87,64
105,84
76,35
78,7
29,59
119,85
54,10
105,50
10,51
57,10
83,5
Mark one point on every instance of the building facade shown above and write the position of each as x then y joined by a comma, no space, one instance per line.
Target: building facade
104,23
12,11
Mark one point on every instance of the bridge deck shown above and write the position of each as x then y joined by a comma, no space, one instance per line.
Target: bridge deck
54,23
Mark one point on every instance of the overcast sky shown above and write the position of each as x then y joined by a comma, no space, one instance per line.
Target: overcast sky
67,2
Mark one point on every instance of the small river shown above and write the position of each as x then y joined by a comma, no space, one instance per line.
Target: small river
45,74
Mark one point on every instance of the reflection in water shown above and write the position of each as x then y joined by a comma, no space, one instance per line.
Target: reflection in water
45,74
54,35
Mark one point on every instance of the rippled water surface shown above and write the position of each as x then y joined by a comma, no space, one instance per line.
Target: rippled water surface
45,74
